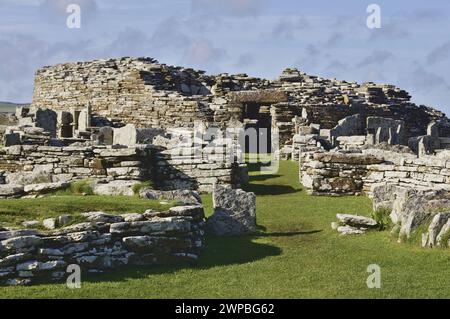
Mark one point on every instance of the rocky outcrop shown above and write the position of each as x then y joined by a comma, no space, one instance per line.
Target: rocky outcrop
102,243
234,212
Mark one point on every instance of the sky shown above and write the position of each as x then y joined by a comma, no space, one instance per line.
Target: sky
258,37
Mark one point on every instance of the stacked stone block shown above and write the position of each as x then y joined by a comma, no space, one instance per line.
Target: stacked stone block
353,173
132,91
26,165
149,94
102,243
198,166
333,173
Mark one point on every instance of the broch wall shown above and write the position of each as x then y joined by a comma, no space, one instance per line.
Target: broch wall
149,94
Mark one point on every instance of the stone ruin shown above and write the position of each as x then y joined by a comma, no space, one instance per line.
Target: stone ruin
110,105
409,178
47,149
123,121
146,93
139,101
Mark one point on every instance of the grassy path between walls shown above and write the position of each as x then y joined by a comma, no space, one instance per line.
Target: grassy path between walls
295,255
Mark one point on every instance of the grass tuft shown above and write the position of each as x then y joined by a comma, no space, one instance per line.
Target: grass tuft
137,187
381,216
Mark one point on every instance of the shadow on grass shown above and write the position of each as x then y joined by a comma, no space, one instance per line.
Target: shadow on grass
222,251
289,234
260,189
263,177
255,167
219,252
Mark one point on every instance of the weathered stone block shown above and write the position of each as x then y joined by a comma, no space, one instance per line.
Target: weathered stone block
234,212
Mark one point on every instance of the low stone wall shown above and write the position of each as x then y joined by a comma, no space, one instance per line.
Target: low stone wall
30,169
24,165
104,242
426,172
332,173
181,166
353,173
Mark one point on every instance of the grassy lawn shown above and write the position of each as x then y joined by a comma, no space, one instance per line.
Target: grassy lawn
295,255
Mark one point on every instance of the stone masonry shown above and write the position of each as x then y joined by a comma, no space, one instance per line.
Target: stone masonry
102,243
144,92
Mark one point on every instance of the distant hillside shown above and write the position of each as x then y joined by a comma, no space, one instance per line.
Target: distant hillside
8,107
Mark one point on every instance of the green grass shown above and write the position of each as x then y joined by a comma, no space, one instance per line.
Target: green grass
382,217
139,186
15,211
81,187
295,255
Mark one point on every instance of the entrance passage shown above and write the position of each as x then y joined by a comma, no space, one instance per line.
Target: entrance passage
257,117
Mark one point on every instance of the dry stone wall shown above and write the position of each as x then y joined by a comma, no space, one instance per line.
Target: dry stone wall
26,165
132,91
198,164
33,170
426,172
333,173
149,94
102,243
355,173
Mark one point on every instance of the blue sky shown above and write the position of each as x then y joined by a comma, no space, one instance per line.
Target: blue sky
258,37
